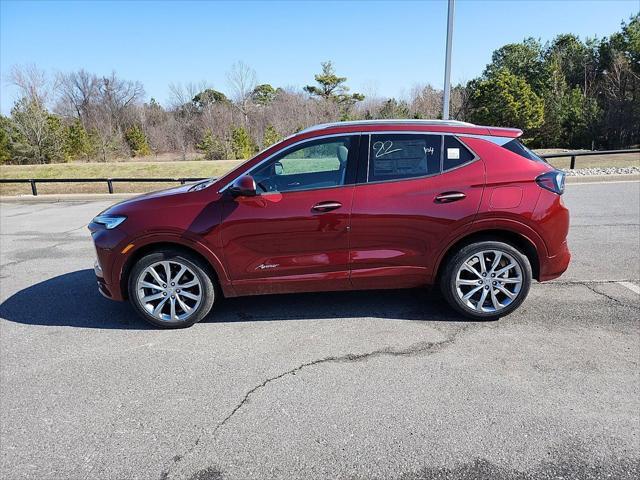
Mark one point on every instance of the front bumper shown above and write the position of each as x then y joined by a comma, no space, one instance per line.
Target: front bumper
106,243
103,288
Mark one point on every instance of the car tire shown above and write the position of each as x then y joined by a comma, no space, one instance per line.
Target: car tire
505,290
179,301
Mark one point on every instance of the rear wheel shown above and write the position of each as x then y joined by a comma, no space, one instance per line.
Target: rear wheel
486,280
171,289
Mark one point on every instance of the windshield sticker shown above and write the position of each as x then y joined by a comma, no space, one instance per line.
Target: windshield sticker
453,153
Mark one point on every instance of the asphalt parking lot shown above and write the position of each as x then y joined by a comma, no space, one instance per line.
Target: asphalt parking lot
352,385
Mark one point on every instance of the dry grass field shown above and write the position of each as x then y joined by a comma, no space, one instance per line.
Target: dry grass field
136,169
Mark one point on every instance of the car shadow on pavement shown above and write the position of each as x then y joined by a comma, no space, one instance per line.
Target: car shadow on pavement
73,300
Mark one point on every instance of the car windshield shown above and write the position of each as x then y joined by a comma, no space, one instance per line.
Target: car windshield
516,147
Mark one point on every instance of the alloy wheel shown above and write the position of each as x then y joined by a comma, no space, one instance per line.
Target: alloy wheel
488,281
169,290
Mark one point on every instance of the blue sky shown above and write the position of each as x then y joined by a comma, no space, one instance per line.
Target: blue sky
386,47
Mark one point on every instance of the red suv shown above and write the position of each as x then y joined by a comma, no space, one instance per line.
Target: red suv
345,206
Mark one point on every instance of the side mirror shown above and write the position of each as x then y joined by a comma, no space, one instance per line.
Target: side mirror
244,186
278,168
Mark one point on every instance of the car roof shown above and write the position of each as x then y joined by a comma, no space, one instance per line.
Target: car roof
443,126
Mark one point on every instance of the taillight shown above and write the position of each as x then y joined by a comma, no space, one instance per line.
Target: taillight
552,181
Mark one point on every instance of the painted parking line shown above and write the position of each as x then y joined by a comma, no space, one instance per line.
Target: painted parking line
631,286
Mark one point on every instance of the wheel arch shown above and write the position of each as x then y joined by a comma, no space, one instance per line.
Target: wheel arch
515,239
216,270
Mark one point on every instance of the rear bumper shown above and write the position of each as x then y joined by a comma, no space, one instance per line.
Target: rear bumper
553,267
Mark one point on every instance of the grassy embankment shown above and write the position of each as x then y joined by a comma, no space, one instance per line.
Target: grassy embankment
189,168
194,169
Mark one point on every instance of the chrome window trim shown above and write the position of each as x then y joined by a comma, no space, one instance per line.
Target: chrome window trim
476,157
265,194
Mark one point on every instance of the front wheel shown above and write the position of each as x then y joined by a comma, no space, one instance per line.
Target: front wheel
171,289
486,280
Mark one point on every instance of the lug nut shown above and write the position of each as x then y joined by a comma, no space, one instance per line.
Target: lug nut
177,290
493,275
173,296
486,287
164,293
173,284
164,285
484,274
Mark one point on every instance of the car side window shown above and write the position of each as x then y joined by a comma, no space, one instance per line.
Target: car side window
397,156
455,153
316,164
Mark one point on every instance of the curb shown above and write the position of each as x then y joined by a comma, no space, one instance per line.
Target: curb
578,179
92,197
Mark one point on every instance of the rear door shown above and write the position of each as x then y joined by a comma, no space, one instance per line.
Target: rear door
415,192
293,236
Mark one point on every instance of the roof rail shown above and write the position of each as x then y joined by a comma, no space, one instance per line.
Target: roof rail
323,126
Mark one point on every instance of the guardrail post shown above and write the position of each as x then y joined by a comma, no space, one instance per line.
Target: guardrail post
34,190
182,181
573,162
110,185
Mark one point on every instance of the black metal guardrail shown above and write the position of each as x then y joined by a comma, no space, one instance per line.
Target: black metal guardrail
182,181
573,155
109,181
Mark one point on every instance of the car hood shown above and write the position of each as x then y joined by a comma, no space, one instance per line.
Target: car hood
149,198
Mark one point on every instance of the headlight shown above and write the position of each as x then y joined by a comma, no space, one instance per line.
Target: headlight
109,221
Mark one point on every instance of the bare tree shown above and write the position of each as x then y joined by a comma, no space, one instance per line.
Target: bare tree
242,81
32,84
78,91
460,102
117,95
426,101
183,117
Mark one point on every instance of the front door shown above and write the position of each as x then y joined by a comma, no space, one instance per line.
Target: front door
294,235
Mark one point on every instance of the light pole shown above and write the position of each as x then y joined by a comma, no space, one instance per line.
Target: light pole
447,62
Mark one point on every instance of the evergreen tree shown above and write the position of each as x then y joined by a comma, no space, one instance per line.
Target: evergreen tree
212,148
506,100
137,141
333,88
271,136
242,144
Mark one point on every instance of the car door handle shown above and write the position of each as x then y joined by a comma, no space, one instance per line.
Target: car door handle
448,197
326,206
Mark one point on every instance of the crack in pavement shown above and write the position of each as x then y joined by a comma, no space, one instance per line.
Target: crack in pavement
619,302
412,350
589,284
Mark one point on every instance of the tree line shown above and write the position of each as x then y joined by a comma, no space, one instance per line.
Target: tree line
567,93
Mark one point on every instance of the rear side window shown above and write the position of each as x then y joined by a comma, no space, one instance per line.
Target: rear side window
398,156
455,153
516,147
